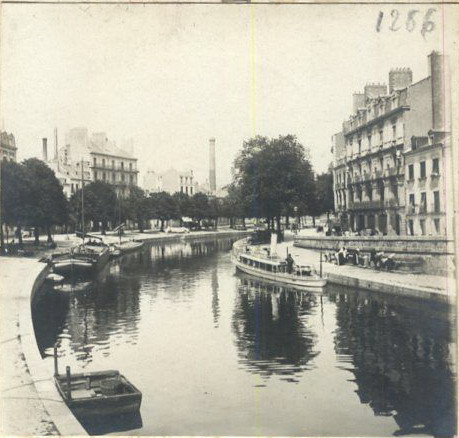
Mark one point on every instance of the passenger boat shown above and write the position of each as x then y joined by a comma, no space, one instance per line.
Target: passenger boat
251,260
97,394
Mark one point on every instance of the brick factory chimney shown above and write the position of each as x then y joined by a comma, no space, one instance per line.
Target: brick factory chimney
400,78
212,176
45,149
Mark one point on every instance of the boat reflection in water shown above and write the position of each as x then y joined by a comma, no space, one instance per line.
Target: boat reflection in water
205,345
272,329
401,352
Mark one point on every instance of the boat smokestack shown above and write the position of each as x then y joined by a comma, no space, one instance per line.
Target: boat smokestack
212,175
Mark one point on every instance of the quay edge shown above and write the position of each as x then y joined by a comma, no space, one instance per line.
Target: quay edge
41,375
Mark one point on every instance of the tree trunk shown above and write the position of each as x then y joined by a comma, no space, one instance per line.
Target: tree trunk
36,233
287,220
272,223
104,228
140,220
50,237
243,221
2,239
19,235
278,223
162,225
313,221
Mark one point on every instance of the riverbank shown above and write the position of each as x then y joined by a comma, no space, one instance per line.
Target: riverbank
440,288
29,402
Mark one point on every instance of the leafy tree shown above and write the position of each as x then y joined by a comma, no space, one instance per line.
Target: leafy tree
184,203
163,207
324,190
199,207
273,176
16,197
48,204
136,206
100,204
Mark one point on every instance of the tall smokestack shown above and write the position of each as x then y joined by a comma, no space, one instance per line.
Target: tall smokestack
56,147
45,150
212,176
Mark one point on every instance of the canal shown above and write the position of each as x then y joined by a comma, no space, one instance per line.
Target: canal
218,353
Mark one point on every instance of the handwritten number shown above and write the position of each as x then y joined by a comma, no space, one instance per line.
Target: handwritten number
378,23
428,25
395,15
410,23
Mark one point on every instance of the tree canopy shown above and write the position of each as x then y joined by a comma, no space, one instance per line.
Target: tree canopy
273,176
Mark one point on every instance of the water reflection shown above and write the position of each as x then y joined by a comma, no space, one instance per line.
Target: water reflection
272,331
401,354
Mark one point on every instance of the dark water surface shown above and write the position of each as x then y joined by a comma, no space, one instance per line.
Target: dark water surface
219,353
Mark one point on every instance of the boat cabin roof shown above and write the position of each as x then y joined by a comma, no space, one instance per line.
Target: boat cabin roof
261,259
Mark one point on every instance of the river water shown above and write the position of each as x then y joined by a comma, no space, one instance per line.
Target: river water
216,352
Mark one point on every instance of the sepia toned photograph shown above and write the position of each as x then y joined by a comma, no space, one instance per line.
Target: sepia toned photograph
228,218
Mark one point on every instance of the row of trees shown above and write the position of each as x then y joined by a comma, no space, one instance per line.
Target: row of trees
272,178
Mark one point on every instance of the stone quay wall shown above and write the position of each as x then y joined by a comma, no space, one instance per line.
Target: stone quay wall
426,254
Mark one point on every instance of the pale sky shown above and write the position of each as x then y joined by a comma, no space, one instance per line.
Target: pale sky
172,76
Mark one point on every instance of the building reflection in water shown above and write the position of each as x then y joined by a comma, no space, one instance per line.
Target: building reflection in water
401,352
272,330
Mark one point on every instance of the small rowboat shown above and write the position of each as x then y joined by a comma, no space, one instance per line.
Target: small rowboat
129,246
97,394
250,261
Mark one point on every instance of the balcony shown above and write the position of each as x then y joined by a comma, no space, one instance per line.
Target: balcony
392,171
366,205
392,203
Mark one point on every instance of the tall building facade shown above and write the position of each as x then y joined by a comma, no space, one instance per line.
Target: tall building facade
87,158
171,181
389,134
8,147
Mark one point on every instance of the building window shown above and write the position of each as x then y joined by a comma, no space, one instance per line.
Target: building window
394,132
131,179
369,141
437,226
423,205
410,227
422,224
103,162
71,187
411,203
113,164
410,172
422,166
122,177
181,189
436,201
435,166
95,175
103,176
122,165
113,176
95,161
381,137
130,166
186,190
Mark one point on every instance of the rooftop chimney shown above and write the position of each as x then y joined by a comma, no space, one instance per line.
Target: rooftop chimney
400,78
212,176
45,149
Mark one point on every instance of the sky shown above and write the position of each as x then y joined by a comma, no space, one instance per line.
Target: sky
172,76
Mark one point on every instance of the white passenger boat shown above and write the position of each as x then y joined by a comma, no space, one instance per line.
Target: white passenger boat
251,260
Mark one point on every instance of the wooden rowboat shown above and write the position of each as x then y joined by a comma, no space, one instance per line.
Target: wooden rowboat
99,393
